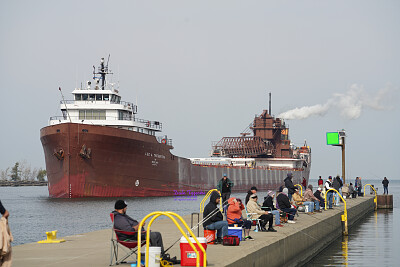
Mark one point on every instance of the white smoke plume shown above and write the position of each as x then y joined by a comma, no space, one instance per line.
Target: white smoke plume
350,104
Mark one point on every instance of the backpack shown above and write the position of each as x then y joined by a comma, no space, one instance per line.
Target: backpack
231,240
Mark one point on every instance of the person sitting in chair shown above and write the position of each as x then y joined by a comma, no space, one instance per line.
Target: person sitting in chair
234,216
258,213
125,223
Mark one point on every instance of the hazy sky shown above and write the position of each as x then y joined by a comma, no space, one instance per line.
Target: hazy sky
204,69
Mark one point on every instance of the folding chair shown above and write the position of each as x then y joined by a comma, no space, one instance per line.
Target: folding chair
256,221
129,247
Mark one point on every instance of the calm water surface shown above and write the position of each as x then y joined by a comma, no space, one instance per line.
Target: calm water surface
373,242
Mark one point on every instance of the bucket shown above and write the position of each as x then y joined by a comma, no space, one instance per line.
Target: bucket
188,255
209,235
154,256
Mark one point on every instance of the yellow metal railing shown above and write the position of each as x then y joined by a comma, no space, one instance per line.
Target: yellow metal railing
344,216
170,215
205,198
375,198
301,189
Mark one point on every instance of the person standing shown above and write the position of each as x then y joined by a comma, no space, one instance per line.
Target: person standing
352,192
337,184
289,185
329,195
359,187
225,187
304,183
385,183
320,182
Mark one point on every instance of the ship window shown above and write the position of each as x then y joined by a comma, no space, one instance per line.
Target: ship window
82,114
106,97
99,97
58,130
92,114
112,98
118,99
78,97
124,115
85,97
91,97
99,114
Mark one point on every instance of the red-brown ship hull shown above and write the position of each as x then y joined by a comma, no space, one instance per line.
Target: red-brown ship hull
124,163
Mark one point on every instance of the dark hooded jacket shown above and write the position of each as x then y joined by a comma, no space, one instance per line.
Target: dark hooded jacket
337,183
211,207
289,184
317,194
268,204
283,201
249,193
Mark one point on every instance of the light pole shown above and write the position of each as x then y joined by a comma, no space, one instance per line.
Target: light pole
338,139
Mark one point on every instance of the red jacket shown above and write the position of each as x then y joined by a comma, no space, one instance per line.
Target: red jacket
234,210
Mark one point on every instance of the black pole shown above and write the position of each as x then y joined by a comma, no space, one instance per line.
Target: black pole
270,103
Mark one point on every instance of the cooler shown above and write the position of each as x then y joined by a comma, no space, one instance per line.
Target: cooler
188,255
237,231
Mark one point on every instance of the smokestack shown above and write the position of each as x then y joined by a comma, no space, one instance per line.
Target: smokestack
270,103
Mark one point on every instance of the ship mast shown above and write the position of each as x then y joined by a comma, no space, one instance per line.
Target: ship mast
102,71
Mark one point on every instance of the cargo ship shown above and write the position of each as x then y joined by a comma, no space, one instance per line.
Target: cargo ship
99,147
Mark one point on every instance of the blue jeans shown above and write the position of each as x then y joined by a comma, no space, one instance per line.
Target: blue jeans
291,212
316,204
329,198
310,205
220,226
385,190
290,196
277,216
336,199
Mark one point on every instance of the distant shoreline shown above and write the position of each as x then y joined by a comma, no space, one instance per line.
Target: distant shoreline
22,183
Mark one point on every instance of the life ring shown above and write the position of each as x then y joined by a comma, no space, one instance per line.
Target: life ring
164,141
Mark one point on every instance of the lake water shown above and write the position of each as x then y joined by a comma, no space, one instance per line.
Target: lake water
372,242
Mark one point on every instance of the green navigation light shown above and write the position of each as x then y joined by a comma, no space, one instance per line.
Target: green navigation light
332,138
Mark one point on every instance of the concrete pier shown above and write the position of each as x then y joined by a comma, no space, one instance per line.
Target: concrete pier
385,201
292,245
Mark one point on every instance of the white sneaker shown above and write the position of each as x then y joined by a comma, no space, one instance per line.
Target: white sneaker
291,221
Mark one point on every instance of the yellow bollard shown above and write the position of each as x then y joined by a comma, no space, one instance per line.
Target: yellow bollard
344,216
376,196
51,238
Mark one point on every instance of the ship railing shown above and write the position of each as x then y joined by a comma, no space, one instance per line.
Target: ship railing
151,124
216,165
147,124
